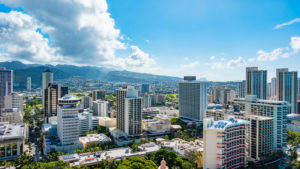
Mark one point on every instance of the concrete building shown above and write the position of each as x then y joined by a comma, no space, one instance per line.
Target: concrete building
242,89
12,140
100,108
12,115
6,84
192,99
287,87
13,100
107,122
129,111
261,136
273,87
224,143
161,99
28,83
298,86
67,120
158,125
86,102
94,139
51,95
256,82
146,100
47,77
98,95
87,122
145,88
268,108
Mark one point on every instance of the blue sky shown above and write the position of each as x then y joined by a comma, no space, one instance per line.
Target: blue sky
212,39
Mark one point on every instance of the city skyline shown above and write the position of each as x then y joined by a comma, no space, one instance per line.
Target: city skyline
211,40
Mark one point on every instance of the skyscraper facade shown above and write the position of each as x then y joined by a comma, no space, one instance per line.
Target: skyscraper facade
192,99
51,96
28,84
6,85
287,87
277,110
129,111
98,95
145,88
67,120
47,77
256,82
242,88
224,143
273,87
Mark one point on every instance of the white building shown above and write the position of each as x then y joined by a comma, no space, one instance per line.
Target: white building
94,139
87,122
224,143
13,115
107,122
158,125
192,99
269,108
273,87
67,120
100,108
12,140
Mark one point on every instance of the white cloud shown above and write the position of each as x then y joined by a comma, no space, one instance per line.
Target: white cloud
217,65
287,23
212,58
251,60
20,40
295,43
186,58
189,65
81,32
239,62
271,56
147,41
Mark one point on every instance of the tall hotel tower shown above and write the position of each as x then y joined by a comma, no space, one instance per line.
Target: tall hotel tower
6,84
192,99
287,87
129,111
256,82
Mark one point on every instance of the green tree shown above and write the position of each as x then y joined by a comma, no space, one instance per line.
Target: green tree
169,156
137,163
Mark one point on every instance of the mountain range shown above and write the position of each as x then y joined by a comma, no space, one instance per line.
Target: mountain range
22,71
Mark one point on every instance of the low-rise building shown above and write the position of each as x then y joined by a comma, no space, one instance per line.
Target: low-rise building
12,140
158,125
107,122
13,115
94,139
183,148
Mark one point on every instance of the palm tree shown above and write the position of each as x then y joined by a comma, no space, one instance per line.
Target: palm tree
197,158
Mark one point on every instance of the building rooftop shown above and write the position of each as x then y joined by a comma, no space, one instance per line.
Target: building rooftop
11,131
94,138
223,124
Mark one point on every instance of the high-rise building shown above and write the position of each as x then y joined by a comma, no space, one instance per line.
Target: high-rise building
87,122
67,120
6,85
298,86
287,87
192,99
242,88
224,143
86,102
273,87
145,88
51,95
28,84
14,100
98,95
146,100
47,77
256,82
277,110
100,108
218,95
261,136
129,111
